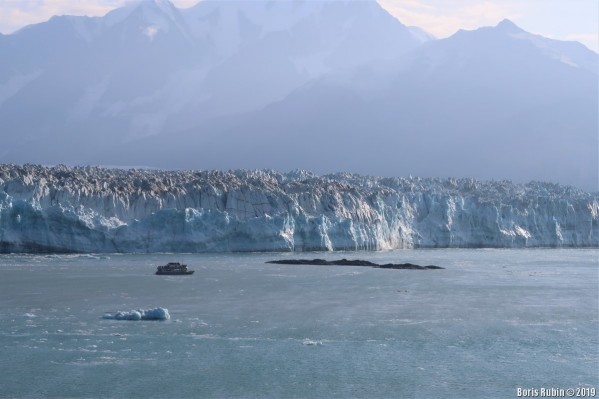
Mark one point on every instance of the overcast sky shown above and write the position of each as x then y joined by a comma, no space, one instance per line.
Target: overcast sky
557,19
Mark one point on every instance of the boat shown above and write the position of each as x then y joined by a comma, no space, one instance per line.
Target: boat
173,269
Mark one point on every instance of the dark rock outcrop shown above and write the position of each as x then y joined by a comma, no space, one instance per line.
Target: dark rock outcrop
356,262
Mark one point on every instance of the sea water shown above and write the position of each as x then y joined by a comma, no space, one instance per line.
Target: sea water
490,323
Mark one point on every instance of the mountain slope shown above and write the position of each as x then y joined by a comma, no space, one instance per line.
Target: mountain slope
149,69
486,103
287,84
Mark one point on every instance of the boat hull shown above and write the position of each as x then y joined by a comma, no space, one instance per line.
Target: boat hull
187,273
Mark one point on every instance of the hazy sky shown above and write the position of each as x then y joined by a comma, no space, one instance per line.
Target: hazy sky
557,19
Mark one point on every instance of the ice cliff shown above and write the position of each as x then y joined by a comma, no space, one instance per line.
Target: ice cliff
88,209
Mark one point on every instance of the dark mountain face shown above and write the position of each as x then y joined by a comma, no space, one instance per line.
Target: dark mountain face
490,103
326,86
151,69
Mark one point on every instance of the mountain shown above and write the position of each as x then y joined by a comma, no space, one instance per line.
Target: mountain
63,209
488,103
293,84
147,69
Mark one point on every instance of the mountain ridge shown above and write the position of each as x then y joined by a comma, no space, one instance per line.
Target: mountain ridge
123,88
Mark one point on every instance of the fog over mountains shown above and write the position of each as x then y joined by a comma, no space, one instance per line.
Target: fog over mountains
326,86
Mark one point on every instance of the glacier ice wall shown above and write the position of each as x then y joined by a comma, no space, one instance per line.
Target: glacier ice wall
88,209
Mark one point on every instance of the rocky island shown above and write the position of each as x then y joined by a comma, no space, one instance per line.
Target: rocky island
356,262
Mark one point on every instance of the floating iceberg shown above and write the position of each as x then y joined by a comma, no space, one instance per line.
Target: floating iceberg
140,314
311,342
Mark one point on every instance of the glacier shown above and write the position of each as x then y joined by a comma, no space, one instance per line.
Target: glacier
64,209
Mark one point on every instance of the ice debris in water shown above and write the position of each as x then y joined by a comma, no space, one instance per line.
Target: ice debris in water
310,342
140,314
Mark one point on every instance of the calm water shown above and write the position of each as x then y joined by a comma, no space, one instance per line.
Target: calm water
492,321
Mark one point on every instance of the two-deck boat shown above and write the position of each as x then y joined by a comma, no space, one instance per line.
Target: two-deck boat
174,269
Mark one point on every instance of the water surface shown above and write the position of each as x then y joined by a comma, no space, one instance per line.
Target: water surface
492,321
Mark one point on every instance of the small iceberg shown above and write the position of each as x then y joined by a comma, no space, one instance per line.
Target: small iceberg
310,342
140,314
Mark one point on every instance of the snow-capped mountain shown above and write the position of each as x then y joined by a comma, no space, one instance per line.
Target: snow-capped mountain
492,102
65,209
325,85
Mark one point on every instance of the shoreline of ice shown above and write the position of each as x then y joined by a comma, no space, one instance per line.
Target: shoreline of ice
94,210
